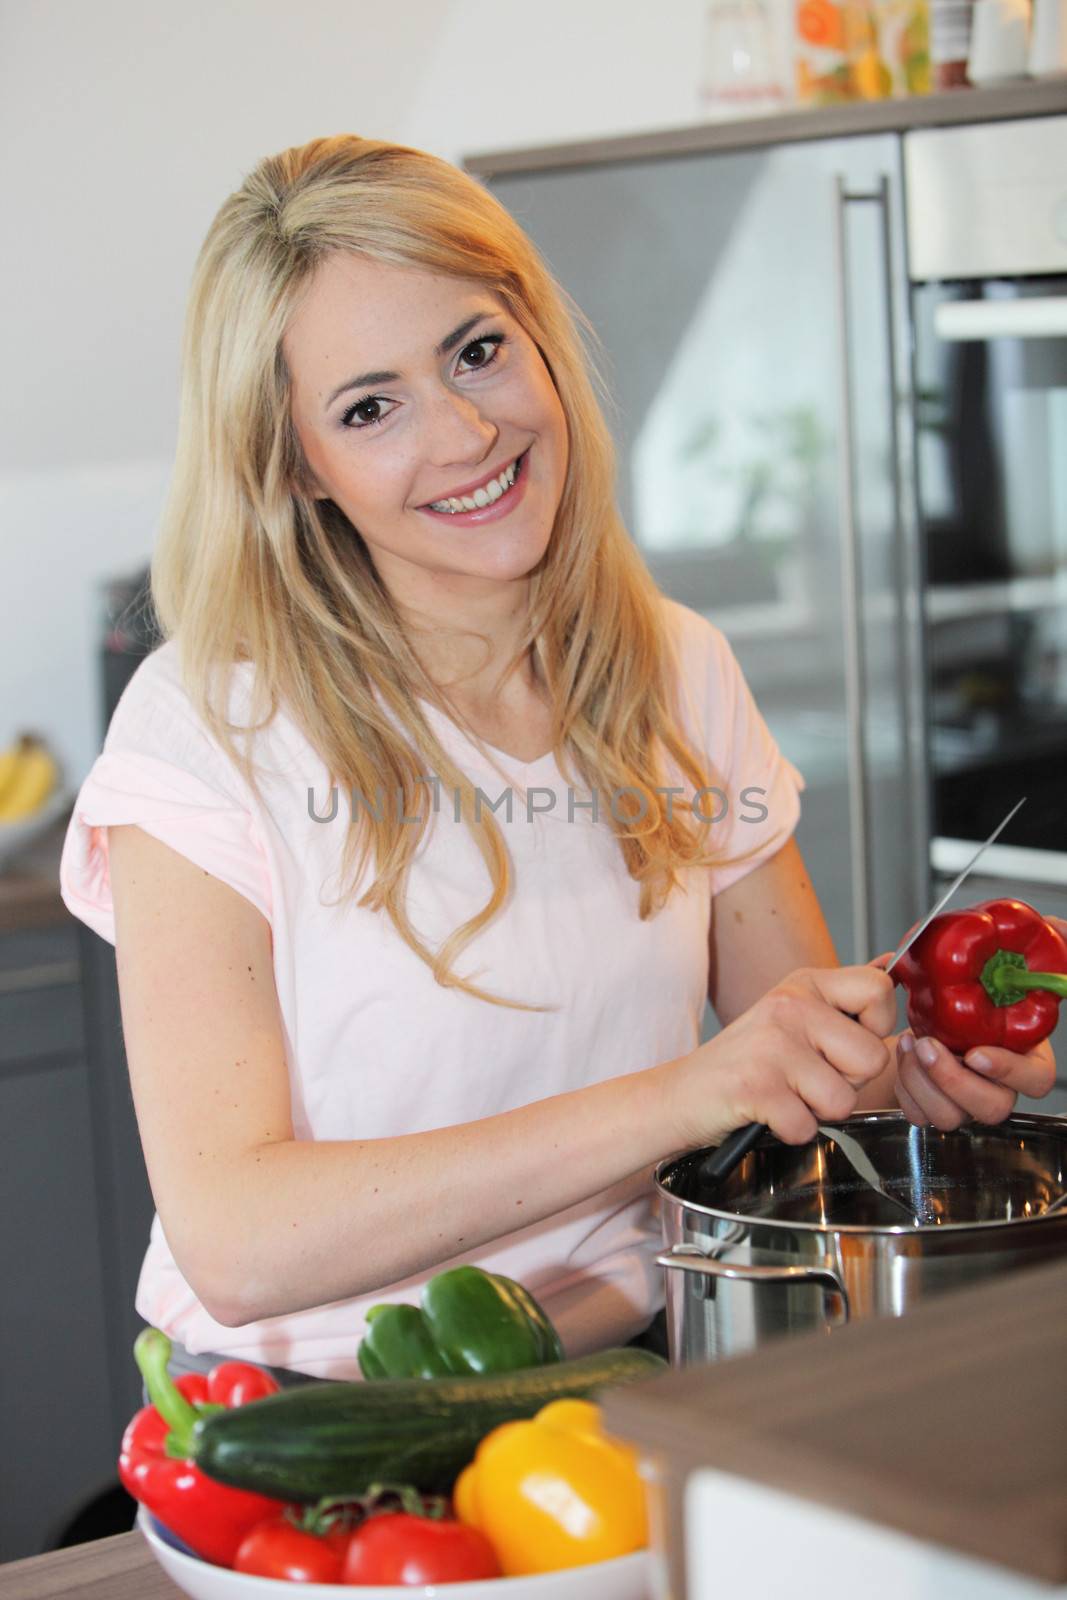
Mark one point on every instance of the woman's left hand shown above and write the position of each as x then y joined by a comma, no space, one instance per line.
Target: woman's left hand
935,1086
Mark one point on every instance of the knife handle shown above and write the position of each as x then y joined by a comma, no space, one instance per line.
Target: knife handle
719,1163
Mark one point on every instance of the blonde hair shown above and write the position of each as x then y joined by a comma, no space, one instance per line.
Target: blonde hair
249,567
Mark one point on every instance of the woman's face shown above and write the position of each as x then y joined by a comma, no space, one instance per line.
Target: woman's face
414,397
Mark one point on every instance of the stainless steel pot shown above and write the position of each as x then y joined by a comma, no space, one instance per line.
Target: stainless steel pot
794,1240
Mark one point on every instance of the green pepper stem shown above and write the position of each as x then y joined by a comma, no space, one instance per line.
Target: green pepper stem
1015,978
1056,983
151,1351
1006,978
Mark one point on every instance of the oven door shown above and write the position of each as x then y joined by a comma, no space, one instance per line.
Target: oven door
991,455
991,359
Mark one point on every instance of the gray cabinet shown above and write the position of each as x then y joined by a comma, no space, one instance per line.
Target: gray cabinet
74,1210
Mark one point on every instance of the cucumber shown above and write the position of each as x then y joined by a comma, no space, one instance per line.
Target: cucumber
340,1438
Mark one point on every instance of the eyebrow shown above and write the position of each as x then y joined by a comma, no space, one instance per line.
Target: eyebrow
448,343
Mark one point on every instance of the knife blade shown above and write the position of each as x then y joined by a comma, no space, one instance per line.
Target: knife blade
954,885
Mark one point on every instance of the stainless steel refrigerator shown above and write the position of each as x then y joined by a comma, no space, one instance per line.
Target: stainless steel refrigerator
799,464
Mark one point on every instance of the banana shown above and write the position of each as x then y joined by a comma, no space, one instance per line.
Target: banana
29,776
9,765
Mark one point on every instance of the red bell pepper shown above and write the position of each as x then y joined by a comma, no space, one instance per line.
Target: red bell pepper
154,1465
994,974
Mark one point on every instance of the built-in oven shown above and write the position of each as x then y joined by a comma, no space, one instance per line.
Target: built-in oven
987,243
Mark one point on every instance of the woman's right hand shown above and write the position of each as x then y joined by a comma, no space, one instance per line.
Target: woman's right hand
797,1057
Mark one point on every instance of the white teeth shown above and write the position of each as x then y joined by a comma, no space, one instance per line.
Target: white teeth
485,496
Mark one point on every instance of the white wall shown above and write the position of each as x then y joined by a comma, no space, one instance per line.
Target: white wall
123,125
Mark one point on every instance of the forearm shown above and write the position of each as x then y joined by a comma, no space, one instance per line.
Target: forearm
300,1224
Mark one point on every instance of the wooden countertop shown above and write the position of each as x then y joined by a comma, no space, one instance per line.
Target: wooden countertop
119,1568
949,1424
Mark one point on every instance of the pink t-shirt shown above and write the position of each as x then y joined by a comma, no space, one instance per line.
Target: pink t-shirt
374,1046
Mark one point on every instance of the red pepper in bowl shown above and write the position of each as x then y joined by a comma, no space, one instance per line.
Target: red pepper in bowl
994,974
154,1465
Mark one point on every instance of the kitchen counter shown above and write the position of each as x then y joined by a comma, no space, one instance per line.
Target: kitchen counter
1034,98
29,884
120,1568
939,1437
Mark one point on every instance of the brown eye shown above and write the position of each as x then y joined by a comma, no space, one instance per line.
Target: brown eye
482,352
365,413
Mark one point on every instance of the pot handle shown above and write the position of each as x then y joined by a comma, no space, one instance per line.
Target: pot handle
687,1258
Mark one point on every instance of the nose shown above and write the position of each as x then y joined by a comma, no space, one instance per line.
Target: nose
456,432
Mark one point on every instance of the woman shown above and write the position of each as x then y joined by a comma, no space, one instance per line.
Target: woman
400,836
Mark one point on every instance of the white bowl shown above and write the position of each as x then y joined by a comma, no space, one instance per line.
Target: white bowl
626,1578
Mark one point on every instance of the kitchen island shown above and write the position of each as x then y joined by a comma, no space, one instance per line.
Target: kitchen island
927,1453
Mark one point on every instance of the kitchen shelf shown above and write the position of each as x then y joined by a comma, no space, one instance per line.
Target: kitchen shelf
958,107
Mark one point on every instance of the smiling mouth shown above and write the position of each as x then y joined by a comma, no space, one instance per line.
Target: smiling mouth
487,495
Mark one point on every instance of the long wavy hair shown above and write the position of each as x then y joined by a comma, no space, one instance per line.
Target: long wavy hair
249,566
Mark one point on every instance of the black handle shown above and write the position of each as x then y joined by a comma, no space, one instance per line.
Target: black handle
722,1161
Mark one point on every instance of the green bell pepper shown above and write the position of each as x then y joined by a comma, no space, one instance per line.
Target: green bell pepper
470,1322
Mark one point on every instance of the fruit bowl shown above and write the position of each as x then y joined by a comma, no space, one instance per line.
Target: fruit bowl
626,1578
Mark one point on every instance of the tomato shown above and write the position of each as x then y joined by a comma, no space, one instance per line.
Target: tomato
277,1548
396,1547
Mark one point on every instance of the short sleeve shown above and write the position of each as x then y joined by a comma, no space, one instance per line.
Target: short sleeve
162,772
755,806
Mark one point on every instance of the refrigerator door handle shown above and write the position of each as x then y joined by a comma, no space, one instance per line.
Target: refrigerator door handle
851,553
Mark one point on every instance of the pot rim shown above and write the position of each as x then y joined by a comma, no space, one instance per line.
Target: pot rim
1034,1121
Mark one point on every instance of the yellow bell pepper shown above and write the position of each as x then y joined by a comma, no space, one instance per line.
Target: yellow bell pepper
555,1491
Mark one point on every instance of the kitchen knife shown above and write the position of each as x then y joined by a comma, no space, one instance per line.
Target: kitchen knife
954,885
722,1161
